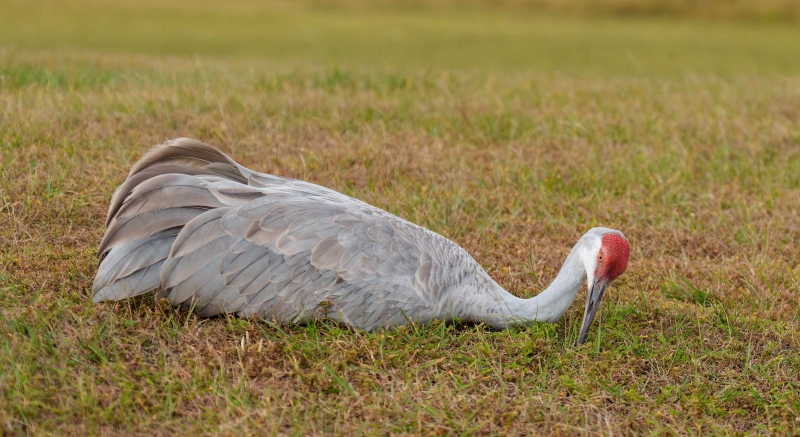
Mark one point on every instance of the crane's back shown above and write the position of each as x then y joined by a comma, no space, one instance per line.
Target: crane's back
221,238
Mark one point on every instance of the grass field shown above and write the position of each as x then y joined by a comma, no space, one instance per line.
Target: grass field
509,131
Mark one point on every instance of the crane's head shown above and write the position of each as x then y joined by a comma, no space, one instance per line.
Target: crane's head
606,258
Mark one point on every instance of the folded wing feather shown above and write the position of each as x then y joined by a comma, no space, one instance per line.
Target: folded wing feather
223,239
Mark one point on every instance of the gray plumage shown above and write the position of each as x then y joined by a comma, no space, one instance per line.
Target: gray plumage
220,238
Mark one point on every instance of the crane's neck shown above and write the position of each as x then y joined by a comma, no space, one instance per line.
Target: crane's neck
500,308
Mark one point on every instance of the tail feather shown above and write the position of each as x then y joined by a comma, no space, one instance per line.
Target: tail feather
163,192
181,156
125,259
184,151
126,270
140,282
168,191
128,229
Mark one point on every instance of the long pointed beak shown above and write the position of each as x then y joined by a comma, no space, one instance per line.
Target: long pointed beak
592,305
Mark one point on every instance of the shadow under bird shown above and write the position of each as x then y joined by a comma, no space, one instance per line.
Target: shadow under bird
212,235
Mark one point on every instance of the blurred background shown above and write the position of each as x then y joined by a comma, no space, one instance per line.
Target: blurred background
582,36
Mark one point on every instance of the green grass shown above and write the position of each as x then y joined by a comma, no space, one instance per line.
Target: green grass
289,34
510,132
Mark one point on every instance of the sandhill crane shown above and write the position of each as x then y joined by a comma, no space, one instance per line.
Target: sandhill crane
212,235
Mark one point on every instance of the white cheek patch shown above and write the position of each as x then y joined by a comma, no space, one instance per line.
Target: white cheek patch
589,258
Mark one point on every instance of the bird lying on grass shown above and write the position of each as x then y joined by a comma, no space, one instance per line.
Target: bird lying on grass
212,235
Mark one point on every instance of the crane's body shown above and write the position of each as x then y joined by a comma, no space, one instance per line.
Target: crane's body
217,237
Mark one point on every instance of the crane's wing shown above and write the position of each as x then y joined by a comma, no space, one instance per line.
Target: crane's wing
222,238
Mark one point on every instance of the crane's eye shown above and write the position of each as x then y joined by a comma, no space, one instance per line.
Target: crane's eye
600,257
